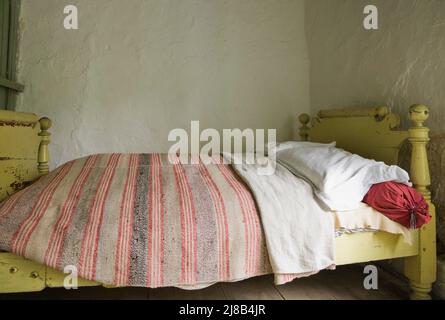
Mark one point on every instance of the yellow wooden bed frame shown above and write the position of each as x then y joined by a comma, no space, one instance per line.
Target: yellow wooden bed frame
370,132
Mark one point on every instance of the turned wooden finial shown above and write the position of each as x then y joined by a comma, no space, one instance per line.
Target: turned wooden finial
381,112
419,138
43,155
418,114
304,119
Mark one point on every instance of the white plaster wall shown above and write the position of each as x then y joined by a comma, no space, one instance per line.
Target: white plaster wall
400,64
137,69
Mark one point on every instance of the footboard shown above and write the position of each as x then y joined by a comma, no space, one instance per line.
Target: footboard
24,152
24,157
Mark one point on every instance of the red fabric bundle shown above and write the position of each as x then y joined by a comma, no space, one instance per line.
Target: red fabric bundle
399,203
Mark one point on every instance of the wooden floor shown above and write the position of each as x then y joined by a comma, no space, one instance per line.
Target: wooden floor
345,283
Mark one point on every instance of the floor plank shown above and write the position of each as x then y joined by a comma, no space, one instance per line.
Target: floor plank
214,292
345,283
258,288
310,288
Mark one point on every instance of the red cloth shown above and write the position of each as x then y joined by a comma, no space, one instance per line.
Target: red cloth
399,203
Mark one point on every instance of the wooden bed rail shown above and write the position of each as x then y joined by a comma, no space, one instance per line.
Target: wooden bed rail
377,112
420,269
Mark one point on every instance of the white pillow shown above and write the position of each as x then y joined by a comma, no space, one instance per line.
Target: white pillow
297,144
340,179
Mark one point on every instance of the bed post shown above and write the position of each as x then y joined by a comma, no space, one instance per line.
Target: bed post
421,269
304,129
43,155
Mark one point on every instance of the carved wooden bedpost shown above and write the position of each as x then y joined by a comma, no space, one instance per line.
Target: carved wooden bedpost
304,129
421,269
43,155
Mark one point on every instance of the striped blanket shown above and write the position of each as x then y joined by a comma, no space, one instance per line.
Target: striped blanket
139,220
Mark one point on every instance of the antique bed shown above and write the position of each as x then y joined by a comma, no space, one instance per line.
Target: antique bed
370,132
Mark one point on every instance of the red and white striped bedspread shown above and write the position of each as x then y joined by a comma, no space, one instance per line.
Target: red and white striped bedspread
139,220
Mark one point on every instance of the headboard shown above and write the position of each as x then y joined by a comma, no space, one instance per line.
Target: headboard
24,152
372,133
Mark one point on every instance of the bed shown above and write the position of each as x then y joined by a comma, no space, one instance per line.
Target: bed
370,132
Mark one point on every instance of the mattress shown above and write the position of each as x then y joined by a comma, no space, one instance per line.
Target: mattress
367,219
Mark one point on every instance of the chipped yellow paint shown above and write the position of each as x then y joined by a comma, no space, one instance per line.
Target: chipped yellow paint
20,275
18,152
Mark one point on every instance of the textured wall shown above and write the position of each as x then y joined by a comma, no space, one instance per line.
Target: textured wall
136,69
400,64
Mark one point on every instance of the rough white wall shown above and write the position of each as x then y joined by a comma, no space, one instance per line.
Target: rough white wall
137,69
400,64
